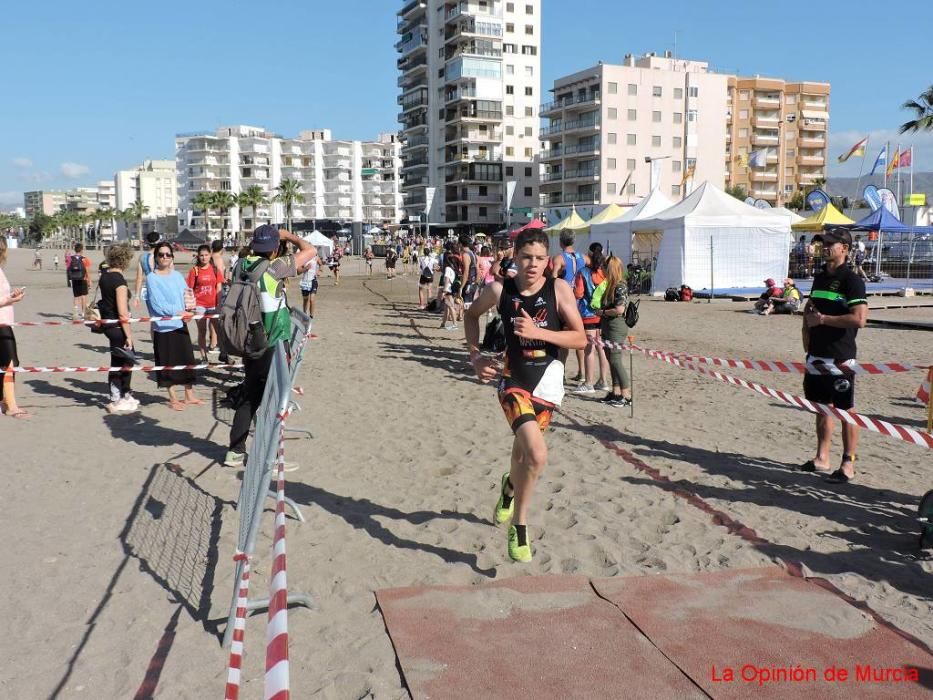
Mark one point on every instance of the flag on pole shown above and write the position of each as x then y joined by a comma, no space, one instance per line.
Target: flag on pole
893,164
905,158
758,159
742,159
856,150
688,173
882,159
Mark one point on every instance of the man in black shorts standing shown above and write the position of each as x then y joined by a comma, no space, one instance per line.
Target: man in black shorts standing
540,316
836,310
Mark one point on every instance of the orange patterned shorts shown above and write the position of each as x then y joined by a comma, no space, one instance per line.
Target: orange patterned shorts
520,407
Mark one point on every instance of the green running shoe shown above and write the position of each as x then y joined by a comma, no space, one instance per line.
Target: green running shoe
502,513
519,552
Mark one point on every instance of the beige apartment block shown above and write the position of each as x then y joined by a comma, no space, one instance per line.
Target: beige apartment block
469,81
789,122
610,125
44,202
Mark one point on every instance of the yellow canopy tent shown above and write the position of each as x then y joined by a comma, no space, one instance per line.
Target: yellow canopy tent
827,216
607,214
574,222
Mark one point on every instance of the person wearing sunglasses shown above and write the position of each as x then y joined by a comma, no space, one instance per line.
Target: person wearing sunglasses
169,295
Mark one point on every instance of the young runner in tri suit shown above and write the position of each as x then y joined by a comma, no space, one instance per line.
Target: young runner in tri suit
540,316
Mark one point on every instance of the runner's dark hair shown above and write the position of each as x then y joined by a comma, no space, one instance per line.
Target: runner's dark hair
529,236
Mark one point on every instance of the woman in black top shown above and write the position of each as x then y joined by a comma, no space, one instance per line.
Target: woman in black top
114,304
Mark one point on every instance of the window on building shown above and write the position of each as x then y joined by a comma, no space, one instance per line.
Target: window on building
678,142
656,142
529,152
610,188
613,113
610,164
678,93
527,172
483,190
529,131
510,151
789,189
692,115
529,71
509,69
743,114
509,170
656,116
631,188
655,90
631,114
790,99
790,152
510,110
509,89
507,48
676,166
529,111
483,211
788,135
743,94
789,171
693,91
529,29
691,163
678,117
529,91
631,140
632,89
630,164
529,192
510,27
529,50
529,9
613,88
743,133
509,130
611,138
675,190
510,7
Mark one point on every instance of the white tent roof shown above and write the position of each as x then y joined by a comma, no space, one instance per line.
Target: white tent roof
653,204
708,205
318,239
790,214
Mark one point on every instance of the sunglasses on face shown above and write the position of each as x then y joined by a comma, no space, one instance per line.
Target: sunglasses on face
166,255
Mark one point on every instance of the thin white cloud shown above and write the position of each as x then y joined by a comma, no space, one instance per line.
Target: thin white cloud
74,170
22,162
11,199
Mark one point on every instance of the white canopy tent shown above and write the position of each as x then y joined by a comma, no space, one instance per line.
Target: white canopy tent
325,246
616,234
711,235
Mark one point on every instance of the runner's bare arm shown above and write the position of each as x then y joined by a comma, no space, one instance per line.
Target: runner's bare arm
856,318
558,267
306,251
138,285
485,367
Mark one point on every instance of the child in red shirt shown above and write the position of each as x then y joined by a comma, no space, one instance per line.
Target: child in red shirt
205,281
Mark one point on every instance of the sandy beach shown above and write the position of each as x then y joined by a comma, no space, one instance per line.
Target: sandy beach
118,567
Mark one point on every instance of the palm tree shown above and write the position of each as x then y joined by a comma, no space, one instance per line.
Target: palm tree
289,193
204,201
135,212
224,201
922,108
253,197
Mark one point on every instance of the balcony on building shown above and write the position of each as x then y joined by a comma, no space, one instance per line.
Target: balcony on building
474,172
414,143
767,100
472,9
554,153
589,122
413,99
766,120
815,141
411,9
464,154
481,134
467,195
468,27
474,111
812,120
583,99
414,163
413,40
765,138
582,149
810,159
581,197
762,175
459,92
466,68
810,178
817,103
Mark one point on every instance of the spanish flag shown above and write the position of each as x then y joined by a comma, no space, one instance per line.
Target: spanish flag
856,150
894,162
688,174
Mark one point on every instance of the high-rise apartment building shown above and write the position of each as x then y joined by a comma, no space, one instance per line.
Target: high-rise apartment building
341,180
44,202
152,183
786,125
470,76
610,125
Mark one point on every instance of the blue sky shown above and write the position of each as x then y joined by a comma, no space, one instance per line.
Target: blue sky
100,86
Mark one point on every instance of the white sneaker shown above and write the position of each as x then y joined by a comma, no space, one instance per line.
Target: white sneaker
131,403
602,386
234,459
583,389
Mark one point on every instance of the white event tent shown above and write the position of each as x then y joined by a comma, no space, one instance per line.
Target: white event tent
325,246
712,238
616,234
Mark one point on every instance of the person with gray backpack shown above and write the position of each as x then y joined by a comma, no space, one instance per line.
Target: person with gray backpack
254,317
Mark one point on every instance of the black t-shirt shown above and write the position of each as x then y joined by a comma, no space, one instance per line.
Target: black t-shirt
109,283
834,294
527,361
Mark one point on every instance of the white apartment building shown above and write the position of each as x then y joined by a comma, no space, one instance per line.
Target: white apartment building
341,180
470,76
152,183
610,125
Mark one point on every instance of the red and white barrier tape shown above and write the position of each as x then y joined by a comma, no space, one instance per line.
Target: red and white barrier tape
277,677
897,431
923,393
133,368
786,367
235,664
110,321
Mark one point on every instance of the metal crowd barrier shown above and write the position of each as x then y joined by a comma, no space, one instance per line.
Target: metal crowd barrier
261,460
